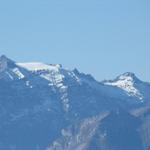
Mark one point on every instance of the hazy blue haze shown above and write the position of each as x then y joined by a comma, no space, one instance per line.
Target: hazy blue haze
102,37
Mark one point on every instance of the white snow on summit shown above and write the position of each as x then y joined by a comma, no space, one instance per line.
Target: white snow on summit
35,66
126,82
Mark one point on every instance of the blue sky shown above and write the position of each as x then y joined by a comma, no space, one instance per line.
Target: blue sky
101,37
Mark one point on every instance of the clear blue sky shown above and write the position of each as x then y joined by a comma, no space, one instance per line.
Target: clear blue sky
101,37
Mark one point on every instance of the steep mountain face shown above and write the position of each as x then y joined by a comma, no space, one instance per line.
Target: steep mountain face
44,106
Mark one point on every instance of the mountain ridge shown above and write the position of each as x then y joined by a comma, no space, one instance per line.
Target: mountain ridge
56,73
40,104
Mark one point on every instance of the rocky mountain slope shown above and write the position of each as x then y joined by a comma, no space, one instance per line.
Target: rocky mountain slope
47,107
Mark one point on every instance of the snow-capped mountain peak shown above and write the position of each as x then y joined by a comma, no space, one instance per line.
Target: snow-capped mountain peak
55,75
126,82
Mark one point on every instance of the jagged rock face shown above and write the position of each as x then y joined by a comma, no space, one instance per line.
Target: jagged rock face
40,103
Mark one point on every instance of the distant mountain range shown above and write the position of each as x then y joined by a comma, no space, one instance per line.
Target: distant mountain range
46,107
